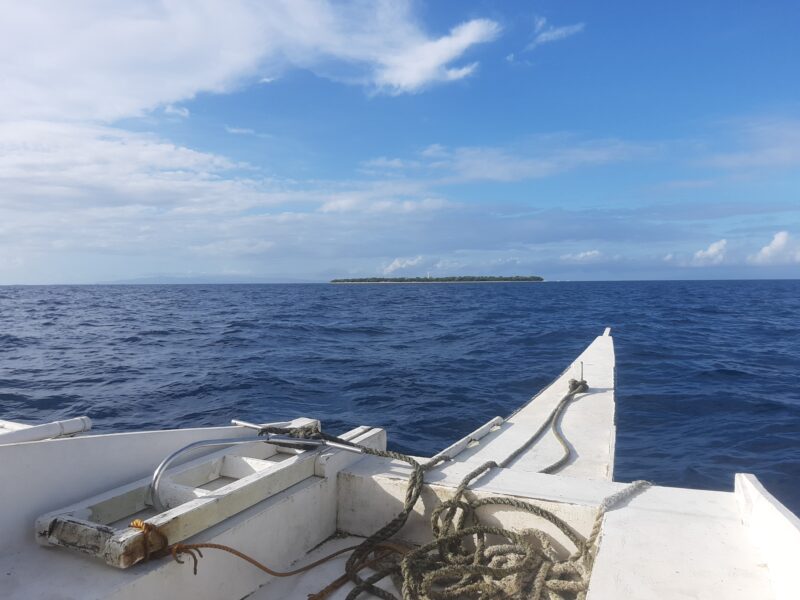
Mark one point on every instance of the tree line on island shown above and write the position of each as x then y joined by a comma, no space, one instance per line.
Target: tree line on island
454,279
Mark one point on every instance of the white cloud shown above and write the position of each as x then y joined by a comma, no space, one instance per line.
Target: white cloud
399,264
364,201
52,162
535,158
713,255
240,130
669,257
247,131
383,162
79,188
780,251
106,61
544,33
582,257
425,62
176,111
435,151
766,143
541,157
448,264
233,247
133,203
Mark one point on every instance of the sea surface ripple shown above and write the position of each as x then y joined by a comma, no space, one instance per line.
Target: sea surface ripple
707,371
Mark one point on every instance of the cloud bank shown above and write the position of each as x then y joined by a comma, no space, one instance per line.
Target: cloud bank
713,255
102,61
73,181
782,250
76,188
399,264
586,256
545,33
762,144
541,156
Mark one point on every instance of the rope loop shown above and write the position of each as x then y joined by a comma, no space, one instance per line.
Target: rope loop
460,562
311,431
148,529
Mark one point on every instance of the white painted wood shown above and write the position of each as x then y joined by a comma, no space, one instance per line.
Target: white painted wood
775,532
6,426
330,461
677,544
179,523
511,482
456,448
666,544
81,467
371,492
588,423
45,431
311,582
278,531
248,479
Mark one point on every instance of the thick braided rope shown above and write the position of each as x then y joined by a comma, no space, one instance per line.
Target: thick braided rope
446,568
458,563
360,554
608,503
552,423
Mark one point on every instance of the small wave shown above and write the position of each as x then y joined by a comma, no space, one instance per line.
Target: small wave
10,342
697,375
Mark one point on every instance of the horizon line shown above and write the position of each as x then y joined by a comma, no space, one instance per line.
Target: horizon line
329,282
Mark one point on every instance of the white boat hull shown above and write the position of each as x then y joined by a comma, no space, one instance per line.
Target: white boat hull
665,543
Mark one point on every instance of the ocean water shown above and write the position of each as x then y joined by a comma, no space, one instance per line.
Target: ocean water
708,372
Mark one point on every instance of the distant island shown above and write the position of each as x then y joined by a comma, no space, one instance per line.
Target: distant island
459,279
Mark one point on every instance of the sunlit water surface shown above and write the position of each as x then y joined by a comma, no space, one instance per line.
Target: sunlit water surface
707,371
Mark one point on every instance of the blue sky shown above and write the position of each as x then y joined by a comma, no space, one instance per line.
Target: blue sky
306,140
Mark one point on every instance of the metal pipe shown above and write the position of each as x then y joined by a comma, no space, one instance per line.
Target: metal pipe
240,423
354,449
155,500
287,425
283,440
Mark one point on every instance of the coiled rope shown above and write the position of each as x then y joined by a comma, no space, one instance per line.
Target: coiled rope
459,562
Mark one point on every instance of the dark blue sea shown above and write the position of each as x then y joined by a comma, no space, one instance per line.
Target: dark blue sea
708,372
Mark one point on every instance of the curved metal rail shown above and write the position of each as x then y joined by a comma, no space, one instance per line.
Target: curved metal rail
281,440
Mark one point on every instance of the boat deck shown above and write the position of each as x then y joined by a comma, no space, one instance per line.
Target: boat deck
587,424
665,543
312,582
675,543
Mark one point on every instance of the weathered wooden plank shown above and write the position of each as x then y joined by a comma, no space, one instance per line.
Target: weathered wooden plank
88,526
